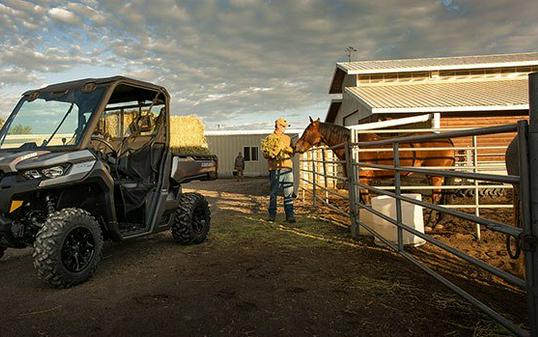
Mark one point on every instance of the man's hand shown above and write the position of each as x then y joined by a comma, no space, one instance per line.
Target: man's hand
289,150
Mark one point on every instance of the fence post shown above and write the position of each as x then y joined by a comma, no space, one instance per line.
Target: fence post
398,201
354,212
476,196
325,182
304,176
529,190
314,177
334,166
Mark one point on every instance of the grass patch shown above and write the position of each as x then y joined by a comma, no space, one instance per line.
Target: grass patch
252,230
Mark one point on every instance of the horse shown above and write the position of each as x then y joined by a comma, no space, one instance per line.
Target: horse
317,133
511,160
512,168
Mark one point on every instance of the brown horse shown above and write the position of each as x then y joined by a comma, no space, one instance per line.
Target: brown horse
332,134
512,168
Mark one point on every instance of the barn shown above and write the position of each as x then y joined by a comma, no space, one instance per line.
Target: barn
226,144
468,91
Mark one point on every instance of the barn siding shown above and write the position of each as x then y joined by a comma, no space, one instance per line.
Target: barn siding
351,110
226,147
480,120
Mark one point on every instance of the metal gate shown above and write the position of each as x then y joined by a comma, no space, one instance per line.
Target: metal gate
528,162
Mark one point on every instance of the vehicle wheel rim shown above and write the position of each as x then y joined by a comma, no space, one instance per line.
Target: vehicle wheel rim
199,220
78,249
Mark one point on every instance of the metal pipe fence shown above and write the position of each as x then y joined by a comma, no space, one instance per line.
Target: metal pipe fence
474,158
479,173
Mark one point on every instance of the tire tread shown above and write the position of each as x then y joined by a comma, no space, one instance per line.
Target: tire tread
48,245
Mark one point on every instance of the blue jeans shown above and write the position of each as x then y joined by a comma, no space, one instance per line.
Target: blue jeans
281,180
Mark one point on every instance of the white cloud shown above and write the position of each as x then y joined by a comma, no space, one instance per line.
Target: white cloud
96,17
246,60
63,15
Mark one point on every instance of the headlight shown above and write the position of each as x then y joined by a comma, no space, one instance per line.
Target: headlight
53,172
32,174
49,172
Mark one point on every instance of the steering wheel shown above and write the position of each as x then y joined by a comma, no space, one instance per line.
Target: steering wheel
103,141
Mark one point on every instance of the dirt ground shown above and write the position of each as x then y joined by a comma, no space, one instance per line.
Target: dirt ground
251,278
457,233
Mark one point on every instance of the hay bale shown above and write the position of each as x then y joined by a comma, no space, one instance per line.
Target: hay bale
187,135
186,132
112,124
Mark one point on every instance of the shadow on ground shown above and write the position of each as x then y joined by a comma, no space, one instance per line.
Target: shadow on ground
250,278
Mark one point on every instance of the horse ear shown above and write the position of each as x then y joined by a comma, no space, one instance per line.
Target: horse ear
317,120
310,119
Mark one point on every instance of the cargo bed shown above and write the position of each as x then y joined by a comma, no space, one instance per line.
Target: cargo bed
189,167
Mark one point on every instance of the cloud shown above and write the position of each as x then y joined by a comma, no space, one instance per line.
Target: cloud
11,76
49,60
64,16
95,16
246,61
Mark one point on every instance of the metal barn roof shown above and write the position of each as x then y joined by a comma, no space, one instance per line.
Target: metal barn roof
248,132
440,63
444,96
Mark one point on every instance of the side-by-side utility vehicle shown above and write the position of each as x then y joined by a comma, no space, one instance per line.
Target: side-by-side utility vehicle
89,160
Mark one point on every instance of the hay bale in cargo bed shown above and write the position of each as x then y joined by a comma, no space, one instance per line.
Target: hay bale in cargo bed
187,135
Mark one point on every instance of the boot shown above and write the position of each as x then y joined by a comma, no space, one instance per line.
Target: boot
290,218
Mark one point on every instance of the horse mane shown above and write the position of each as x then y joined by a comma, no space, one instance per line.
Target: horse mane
335,130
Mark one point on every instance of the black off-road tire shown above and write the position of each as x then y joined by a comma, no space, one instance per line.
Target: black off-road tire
57,245
192,219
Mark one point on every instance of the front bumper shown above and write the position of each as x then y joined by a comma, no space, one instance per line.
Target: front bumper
13,186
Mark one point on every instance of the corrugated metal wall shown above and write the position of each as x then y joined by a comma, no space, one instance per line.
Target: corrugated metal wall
226,147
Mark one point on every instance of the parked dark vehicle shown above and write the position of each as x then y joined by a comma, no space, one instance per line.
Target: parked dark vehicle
89,160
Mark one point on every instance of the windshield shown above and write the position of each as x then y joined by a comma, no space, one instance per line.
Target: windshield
50,119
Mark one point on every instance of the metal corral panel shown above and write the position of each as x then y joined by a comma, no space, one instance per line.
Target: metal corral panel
227,146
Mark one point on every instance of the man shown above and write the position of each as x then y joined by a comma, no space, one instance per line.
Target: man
281,171
239,166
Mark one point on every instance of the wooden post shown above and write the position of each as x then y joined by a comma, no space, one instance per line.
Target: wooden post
353,212
314,178
325,182
334,169
529,194
304,175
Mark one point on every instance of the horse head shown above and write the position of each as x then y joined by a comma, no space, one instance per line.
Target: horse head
311,137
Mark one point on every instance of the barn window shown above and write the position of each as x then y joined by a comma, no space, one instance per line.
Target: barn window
254,153
250,153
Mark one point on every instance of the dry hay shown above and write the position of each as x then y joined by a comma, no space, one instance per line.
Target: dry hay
186,132
112,121
187,135
274,146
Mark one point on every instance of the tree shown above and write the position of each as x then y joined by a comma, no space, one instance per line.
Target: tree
20,129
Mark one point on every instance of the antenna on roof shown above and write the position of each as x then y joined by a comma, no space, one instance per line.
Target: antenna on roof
349,51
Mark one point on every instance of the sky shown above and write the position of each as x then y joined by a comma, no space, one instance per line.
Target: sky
240,64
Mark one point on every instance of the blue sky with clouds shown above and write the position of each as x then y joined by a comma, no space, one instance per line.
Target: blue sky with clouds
242,63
